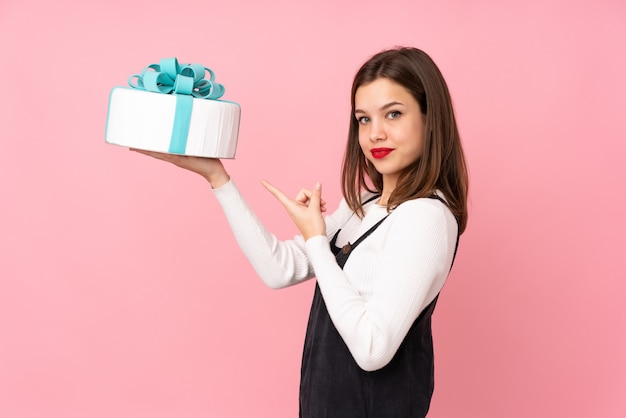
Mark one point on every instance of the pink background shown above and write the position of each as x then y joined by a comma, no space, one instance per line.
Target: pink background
122,291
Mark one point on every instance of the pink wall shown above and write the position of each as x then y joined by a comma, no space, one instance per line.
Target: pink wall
123,294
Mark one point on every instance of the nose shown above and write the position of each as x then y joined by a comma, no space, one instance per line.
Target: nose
377,131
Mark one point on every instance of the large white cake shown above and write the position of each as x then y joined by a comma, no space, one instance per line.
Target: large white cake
155,122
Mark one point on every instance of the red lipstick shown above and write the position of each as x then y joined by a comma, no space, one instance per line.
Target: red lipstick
380,152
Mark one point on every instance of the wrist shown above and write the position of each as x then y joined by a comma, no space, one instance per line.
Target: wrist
217,180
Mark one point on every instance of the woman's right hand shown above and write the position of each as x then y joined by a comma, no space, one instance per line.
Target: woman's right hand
211,169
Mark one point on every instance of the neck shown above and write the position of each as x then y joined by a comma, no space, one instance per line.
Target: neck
389,185
384,199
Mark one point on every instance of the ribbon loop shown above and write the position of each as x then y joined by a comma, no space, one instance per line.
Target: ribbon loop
171,77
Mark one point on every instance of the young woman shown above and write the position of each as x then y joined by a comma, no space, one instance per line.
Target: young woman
383,256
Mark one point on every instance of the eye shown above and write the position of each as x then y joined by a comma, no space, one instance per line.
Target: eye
394,114
362,119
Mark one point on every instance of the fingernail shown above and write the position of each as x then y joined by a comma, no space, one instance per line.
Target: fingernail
318,186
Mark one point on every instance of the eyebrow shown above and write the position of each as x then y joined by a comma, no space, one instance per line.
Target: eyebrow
386,106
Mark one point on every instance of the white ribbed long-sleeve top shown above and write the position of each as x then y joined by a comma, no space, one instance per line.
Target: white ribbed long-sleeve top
387,281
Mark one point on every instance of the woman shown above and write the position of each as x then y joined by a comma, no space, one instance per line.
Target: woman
383,256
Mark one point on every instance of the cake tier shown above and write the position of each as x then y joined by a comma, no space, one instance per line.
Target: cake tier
152,121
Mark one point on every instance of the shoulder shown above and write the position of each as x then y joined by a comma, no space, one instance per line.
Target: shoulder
366,195
423,204
425,212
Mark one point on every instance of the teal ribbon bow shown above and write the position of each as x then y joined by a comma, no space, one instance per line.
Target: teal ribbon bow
186,82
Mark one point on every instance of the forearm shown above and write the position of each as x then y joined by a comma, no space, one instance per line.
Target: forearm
278,263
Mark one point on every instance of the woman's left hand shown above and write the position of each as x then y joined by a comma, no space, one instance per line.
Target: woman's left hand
305,210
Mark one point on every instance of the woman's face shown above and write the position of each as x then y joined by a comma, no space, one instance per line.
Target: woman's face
391,127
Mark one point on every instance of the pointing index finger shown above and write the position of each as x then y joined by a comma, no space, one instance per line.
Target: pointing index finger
276,192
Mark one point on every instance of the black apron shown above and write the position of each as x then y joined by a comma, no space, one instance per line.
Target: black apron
332,385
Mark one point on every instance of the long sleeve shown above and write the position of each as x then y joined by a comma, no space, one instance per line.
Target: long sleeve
388,279
278,263
386,282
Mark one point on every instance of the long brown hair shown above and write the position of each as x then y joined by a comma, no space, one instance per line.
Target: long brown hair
442,163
